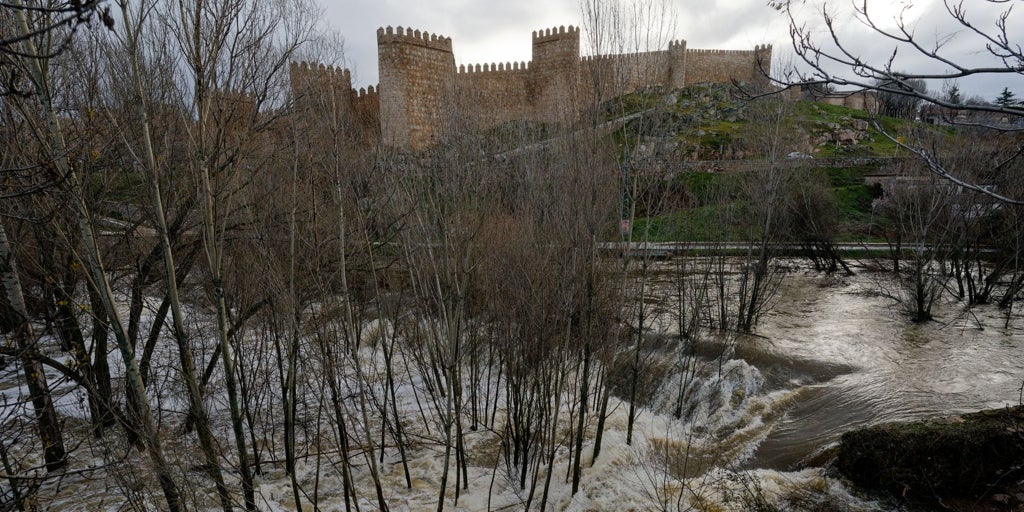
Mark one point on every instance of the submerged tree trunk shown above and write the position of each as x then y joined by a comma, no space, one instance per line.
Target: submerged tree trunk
227,358
61,298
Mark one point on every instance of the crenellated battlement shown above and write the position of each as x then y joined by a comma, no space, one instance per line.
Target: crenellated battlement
366,108
417,81
501,67
620,57
320,70
314,78
235,101
703,51
413,37
550,34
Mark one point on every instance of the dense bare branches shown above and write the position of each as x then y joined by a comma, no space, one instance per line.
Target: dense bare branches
56,21
379,326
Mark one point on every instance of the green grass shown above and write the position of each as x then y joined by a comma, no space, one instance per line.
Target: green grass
853,203
631,103
853,209
706,120
848,176
714,135
704,223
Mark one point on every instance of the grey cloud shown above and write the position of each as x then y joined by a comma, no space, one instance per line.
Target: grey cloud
487,31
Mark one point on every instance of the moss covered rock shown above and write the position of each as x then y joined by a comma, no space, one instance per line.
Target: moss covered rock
970,456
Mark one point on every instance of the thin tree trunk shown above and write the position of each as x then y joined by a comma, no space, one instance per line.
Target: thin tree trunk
389,351
581,418
47,423
19,500
290,406
70,332
354,348
197,410
602,415
213,257
100,363
635,366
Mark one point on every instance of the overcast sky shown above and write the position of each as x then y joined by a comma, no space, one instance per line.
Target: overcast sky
485,31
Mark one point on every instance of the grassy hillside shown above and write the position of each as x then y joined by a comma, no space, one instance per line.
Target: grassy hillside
708,122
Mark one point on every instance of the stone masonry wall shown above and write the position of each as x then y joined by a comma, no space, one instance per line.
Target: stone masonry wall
604,77
492,94
722,66
366,108
556,73
320,88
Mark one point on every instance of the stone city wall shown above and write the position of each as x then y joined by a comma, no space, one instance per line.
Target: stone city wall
604,77
422,97
318,86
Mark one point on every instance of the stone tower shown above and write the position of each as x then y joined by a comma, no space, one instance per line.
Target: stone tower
677,63
417,87
762,65
556,73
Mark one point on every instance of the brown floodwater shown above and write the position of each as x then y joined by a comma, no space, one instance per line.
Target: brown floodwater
852,358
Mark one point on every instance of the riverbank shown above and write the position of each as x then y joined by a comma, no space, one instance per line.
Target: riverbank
971,462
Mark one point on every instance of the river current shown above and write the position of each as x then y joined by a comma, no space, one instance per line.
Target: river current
835,355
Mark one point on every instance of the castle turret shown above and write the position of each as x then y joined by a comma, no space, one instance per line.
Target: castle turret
417,84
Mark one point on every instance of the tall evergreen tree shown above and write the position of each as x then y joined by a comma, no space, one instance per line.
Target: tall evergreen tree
1007,98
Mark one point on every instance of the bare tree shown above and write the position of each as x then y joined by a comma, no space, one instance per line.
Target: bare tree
629,30
900,104
59,21
918,209
230,95
134,21
50,135
39,390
